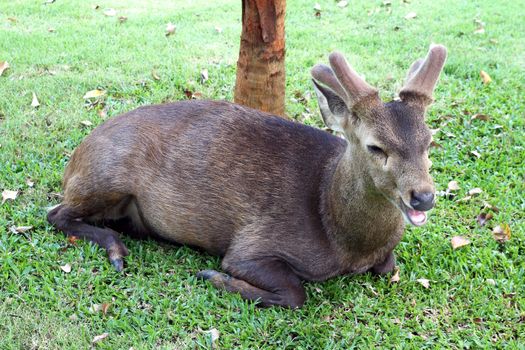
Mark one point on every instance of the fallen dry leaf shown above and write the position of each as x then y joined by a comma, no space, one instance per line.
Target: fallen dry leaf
196,95
204,75
72,239
214,334
482,117
102,113
395,276
20,229
487,205
9,195
110,12
12,19
501,234
122,19
435,144
86,123
342,4
29,183
453,186
94,93
218,29
51,30
66,268
34,102
485,77
459,241
411,15
480,30
100,337
465,199
480,26
105,308
476,154
424,282
3,66
170,29
475,191
317,9
483,218
95,308
154,74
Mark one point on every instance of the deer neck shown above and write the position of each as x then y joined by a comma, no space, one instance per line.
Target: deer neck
357,218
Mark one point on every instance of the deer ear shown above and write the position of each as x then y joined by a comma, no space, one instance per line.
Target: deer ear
333,109
423,76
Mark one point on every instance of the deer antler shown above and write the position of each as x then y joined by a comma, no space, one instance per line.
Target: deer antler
355,86
423,75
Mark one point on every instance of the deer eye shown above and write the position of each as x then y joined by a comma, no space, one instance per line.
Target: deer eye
376,150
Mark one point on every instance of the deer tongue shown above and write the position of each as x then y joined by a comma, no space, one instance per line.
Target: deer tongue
417,218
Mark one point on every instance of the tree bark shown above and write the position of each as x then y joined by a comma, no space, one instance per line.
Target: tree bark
260,79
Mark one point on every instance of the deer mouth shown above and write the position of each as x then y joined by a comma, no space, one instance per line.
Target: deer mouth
415,217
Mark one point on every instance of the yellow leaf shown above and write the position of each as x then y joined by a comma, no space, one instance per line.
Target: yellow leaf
485,77
458,241
94,93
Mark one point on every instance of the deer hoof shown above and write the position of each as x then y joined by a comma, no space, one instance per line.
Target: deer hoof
211,274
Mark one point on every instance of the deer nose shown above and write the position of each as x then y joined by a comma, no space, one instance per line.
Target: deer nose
422,201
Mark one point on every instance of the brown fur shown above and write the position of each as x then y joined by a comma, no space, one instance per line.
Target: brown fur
280,201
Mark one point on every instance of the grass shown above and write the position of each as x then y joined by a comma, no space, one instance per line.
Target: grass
475,299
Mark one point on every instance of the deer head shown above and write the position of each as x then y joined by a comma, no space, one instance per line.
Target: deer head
388,142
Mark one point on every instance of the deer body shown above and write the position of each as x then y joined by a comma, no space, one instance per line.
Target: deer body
280,201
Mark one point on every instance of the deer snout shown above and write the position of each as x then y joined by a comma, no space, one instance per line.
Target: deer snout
422,201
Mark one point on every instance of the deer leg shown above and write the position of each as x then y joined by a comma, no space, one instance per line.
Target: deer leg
385,266
269,281
70,222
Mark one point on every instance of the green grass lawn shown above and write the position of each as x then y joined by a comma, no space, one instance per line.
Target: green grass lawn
60,51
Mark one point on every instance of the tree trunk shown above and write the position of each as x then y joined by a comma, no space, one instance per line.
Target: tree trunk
260,80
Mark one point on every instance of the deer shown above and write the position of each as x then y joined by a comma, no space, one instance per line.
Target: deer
280,202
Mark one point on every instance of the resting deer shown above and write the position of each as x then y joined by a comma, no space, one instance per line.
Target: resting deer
280,201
